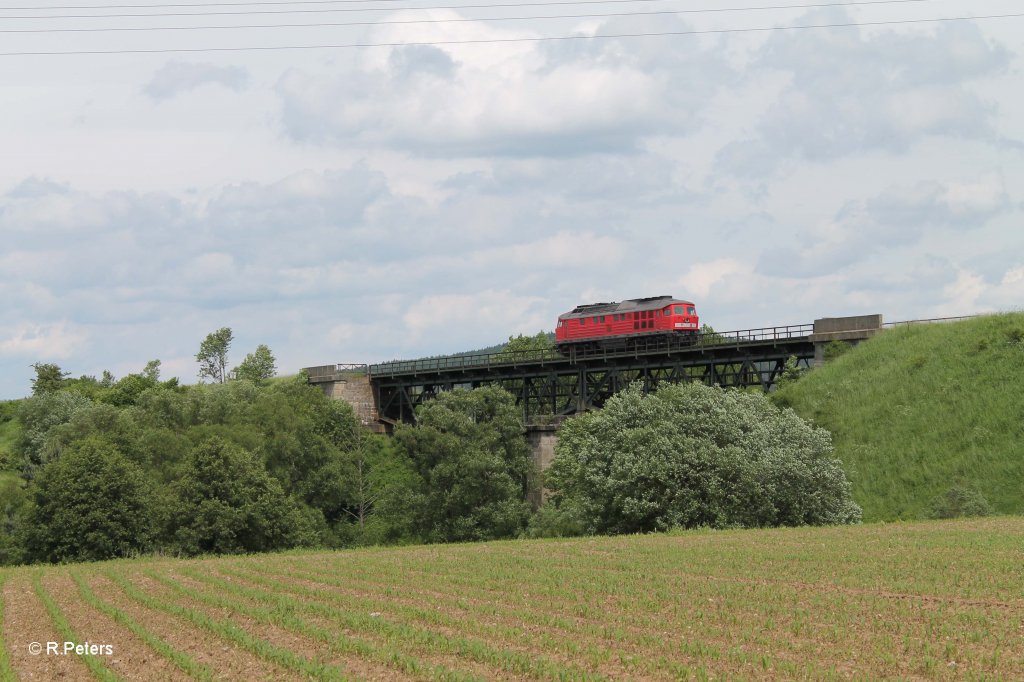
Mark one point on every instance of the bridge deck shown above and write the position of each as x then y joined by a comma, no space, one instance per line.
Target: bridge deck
549,383
707,342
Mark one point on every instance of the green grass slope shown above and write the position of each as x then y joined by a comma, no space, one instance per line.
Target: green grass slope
918,409
9,430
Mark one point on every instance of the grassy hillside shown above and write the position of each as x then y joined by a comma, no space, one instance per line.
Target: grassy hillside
798,603
9,429
918,409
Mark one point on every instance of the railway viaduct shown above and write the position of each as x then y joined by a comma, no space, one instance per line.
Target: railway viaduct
549,386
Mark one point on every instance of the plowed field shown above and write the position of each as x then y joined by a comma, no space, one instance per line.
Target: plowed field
940,600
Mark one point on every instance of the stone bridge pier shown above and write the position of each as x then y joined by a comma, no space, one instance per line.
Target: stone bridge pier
350,383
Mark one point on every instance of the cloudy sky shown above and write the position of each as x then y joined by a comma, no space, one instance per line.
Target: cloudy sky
359,204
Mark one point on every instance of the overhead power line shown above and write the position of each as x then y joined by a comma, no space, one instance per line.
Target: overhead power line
456,20
492,41
278,3
393,9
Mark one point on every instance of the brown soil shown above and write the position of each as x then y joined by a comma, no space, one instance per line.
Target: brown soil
297,643
230,661
26,621
132,658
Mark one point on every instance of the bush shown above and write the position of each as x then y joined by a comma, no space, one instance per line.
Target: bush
92,503
469,450
13,502
691,455
959,501
38,415
554,520
835,349
226,503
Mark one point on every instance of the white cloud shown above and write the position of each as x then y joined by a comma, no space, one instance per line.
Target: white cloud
175,78
900,217
853,92
42,342
516,99
961,297
494,312
210,266
701,278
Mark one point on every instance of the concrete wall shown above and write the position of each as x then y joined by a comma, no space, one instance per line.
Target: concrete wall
831,325
852,330
542,441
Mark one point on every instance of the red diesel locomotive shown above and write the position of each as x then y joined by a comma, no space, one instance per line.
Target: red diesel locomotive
618,325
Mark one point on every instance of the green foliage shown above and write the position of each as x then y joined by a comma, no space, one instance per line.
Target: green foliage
470,451
915,408
10,431
380,489
91,503
151,371
791,373
213,355
957,502
225,502
709,337
559,518
38,415
691,455
127,390
49,378
257,366
835,349
541,345
13,503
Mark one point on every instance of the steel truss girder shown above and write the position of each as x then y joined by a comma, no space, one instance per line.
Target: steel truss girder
563,386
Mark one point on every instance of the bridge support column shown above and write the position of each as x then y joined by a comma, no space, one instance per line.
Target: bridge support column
852,330
542,439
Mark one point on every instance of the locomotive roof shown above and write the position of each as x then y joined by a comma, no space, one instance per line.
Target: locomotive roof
627,306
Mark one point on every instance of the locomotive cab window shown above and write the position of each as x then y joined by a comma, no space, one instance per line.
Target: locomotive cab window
691,310
680,310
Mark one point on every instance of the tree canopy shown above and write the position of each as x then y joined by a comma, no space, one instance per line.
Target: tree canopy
472,456
91,503
690,455
213,355
49,378
258,366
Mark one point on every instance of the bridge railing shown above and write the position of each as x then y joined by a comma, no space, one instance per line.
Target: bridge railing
332,372
642,346
908,323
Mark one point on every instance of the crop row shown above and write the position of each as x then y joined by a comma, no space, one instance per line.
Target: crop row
680,606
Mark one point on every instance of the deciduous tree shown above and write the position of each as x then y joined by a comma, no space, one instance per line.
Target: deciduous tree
257,366
49,378
226,502
213,355
91,503
469,448
692,455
